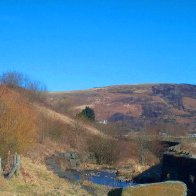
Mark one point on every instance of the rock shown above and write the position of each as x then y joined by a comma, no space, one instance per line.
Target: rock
67,155
169,188
74,155
74,163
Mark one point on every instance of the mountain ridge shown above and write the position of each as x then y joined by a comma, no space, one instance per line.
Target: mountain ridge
117,85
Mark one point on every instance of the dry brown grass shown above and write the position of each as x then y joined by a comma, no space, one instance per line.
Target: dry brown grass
18,128
67,120
189,145
35,179
40,151
130,168
189,103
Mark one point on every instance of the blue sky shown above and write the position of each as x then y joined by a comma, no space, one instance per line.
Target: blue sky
81,44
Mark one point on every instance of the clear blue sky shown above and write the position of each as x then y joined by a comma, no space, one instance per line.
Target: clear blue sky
81,44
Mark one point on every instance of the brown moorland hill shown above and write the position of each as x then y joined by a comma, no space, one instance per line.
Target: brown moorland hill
137,105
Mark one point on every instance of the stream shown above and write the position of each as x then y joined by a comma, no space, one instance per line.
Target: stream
101,177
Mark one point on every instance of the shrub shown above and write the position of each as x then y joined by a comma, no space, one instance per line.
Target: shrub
106,151
17,123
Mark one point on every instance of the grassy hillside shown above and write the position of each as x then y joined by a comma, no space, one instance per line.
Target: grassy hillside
37,132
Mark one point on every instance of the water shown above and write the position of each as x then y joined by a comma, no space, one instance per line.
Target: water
107,178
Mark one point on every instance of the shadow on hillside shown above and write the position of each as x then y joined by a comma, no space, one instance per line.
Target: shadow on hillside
151,175
115,192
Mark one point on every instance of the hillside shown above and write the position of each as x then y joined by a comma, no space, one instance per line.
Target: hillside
47,129
67,120
36,133
137,105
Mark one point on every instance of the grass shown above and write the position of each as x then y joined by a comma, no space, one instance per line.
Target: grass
35,179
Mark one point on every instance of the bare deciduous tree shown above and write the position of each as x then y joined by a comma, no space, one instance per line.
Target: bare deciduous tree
35,90
142,146
12,79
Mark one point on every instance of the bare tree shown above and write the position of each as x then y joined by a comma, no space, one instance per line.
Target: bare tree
142,146
12,79
35,90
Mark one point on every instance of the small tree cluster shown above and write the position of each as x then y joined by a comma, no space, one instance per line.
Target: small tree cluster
87,113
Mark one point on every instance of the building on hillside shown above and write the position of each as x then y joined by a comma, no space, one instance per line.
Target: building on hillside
105,122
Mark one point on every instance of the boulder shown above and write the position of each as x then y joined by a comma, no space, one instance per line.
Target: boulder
168,188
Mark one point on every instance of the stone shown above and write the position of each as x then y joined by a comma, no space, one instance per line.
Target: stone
168,188
74,163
